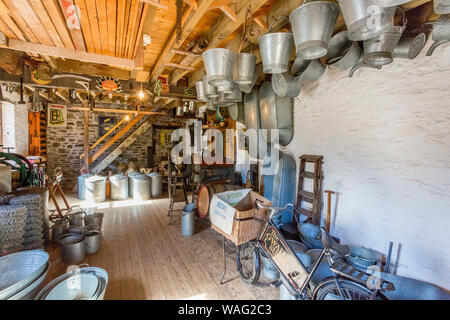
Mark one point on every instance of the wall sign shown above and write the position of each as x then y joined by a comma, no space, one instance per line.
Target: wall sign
109,84
105,124
57,116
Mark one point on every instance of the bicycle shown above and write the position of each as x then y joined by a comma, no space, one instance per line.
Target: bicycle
346,283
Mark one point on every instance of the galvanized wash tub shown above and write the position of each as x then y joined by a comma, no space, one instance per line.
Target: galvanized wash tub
69,285
119,187
73,248
312,25
30,292
19,270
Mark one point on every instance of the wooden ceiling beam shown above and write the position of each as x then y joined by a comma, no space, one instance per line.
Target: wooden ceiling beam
64,53
54,11
223,28
190,20
73,22
155,3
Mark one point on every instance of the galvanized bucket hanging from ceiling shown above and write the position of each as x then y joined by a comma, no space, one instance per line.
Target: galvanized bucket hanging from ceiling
364,19
391,3
441,33
410,46
312,25
276,51
225,88
442,6
244,68
342,52
378,51
200,88
219,63
210,90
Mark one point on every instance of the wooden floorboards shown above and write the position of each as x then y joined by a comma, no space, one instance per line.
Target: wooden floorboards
146,259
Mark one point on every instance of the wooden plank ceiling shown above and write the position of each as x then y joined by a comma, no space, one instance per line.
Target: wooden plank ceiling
104,27
115,28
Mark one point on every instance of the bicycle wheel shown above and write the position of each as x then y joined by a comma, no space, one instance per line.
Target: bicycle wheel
328,290
248,262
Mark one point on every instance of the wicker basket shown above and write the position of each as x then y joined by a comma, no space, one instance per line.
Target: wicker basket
245,228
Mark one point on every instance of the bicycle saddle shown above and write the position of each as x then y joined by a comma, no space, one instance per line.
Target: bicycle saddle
328,242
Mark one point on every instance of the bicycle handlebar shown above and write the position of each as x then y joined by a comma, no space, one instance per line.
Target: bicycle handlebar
259,205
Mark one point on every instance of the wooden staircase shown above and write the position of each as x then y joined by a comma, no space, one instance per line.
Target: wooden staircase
102,165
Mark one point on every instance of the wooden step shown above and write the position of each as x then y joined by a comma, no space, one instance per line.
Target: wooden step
308,175
306,212
311,158
307,195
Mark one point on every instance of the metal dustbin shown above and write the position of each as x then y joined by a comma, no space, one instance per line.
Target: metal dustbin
156,184
119,187
82,185
188,220
130,182
96,189
141,187
269,270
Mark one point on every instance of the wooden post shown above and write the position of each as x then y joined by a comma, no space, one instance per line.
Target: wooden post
86,142
328,220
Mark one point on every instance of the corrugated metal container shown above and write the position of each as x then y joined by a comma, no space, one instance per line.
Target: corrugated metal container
82,185
141,187
119,187
130,181
156,184
96,189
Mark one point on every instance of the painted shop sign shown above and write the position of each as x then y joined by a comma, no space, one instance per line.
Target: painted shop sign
57,115
105,124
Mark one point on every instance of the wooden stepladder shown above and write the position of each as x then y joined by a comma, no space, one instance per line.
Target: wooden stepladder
314,198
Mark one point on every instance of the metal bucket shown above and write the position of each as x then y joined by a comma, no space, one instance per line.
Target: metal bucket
188,220
156,184
235,96
95,219
276,51
211,105
96,189
359,16
73,248
219,63
92,241
119,187
82,186
378,51
141,188
210,90
226,87
342,52
200,88
58,230
442,6
285,85
409,46
392,3
269,270
76,219
312,25
180,111
244,68
441,33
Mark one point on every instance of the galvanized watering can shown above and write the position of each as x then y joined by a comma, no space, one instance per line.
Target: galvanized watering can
378,51
442,6
410,46
342,52
441,33
312,25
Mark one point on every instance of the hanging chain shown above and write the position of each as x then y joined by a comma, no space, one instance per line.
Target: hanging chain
179,4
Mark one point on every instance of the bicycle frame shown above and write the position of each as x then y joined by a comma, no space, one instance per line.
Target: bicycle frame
295,276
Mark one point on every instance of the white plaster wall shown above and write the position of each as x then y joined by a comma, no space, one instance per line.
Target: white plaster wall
15,127
385,136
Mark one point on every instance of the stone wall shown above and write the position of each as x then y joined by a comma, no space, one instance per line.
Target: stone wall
385,137
65,145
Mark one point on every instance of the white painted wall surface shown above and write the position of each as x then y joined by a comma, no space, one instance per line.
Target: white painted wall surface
385,136
15,127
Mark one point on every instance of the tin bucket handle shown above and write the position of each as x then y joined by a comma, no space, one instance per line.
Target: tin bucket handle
275,19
